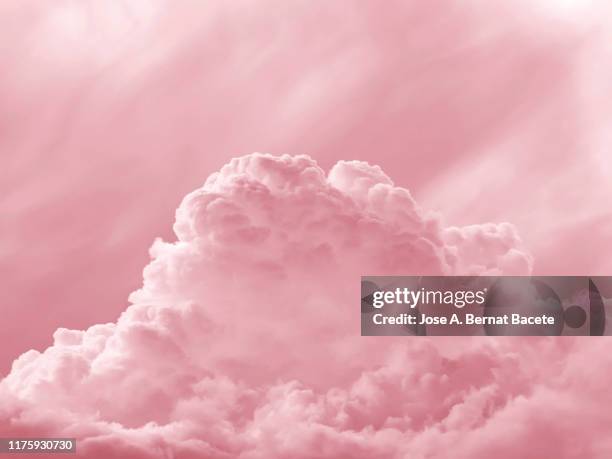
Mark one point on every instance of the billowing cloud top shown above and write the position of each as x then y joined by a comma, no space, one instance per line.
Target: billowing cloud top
243,340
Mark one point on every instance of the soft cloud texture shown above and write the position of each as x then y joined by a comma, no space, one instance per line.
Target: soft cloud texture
112,110
244,342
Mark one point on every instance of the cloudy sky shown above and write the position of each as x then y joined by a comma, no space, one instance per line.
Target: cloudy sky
488,120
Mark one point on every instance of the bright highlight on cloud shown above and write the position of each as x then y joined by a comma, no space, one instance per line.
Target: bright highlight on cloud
244,342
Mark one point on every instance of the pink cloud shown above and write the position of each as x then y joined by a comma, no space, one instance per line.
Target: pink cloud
112,111
243,341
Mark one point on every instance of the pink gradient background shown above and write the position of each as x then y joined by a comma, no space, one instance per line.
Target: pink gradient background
111,112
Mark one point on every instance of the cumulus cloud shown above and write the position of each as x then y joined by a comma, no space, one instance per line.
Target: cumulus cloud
481,119
243,340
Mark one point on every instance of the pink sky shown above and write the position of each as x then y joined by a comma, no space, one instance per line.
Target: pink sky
112,112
